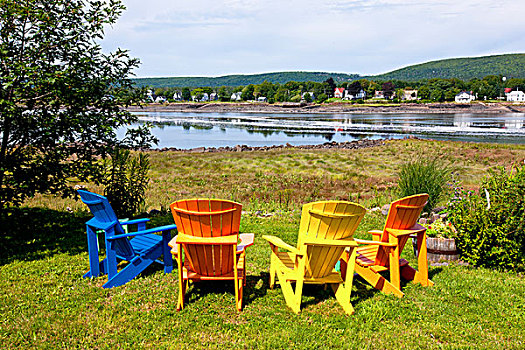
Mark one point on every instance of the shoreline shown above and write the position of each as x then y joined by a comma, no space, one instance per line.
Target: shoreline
355,144
303,108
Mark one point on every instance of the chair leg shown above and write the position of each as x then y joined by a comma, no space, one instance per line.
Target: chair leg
343,290
395,275
132,269
94,264
166,254
238,289
182,283
273,270
421,276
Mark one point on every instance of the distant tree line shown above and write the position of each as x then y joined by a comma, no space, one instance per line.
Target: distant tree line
434,90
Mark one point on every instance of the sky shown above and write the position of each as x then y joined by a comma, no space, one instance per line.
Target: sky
215,38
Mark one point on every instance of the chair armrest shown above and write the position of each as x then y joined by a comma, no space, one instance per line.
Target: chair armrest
246,240
414,229
376,234
144,232
383,244
223,240
348,242
133,222
276,241
173,242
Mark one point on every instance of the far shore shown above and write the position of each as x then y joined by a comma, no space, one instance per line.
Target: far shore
251,107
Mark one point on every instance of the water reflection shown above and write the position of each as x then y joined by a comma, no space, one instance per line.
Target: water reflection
188,130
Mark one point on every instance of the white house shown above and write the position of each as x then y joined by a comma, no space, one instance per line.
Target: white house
516,96
379,94
410,95
213,96
262,99
339,92
236,96
160,99
360,95
203,98
150,96
177,96
465,97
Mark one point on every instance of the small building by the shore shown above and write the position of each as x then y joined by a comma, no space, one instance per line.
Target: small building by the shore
339,92
465,97
236,96
361,94
516,96
177,96
379,94
410,95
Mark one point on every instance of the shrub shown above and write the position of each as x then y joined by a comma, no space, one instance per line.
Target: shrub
126,179
321,98
424,176
491,222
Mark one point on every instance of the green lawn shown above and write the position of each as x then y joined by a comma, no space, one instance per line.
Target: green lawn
45,302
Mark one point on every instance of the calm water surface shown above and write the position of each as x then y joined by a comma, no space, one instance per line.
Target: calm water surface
190,130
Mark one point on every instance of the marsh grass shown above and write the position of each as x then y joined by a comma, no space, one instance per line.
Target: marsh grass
425,175
45,302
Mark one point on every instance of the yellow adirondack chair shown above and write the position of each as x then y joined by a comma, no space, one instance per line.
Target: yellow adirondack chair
326,229
384,251
208,235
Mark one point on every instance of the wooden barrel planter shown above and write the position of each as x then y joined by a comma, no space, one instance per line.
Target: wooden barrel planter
439,249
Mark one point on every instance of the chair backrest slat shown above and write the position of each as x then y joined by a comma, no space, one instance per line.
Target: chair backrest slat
103,212
208,218
402,215
327,220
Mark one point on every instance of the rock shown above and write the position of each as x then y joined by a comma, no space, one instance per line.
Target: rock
155,212
435,217
197,150
439,209
385,209
375,209
423,221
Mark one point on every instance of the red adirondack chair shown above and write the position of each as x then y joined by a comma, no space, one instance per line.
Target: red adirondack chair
384,251
207,246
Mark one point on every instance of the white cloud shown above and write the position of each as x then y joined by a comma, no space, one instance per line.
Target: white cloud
356,36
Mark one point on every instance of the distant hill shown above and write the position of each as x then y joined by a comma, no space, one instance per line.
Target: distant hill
510,65
237,80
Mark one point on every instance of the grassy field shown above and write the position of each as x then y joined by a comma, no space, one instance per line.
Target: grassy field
45,302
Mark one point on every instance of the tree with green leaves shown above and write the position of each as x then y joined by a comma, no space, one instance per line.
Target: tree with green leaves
331,86
60,95
186,94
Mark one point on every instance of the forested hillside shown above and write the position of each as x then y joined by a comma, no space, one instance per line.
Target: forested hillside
238,80
511,66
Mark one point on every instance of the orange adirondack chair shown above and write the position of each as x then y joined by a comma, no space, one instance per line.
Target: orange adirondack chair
326,229
207,246
383,253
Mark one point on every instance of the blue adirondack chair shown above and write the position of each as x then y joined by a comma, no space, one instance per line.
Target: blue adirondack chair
140,248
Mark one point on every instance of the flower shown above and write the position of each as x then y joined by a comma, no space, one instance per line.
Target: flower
440,228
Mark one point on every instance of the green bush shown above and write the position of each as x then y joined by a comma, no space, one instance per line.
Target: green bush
424,176
126,181
321,98
491,222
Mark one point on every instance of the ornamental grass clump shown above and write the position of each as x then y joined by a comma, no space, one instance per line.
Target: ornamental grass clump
490,223
126,181
424,176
